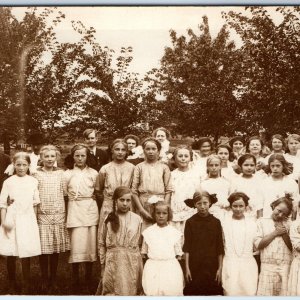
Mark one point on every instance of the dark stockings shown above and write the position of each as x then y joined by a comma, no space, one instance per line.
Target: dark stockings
46,261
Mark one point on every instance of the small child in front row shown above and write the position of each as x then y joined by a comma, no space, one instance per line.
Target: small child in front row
19,232
275,247
162,274
203,248
294,276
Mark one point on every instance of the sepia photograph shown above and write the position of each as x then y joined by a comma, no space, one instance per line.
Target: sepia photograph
150,150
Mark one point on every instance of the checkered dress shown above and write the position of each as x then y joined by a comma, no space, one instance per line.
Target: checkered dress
275,261
51,212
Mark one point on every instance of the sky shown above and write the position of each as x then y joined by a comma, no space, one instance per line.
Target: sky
146,29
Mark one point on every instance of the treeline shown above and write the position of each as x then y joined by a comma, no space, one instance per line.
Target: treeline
210,86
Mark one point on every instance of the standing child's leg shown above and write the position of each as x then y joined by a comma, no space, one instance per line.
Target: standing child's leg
53,269
26,274
11,270
88,274
75,277
44,270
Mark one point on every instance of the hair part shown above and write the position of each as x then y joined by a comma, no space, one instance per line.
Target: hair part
113,217
166,131
152,140
244,157
132,137
47,148
162,203
181,147
88,131
237,196
287,167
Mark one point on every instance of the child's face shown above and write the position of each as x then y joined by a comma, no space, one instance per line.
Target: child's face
21,166
276,168
223,153
205,149
80,158
119,152
131,143
49,158
248,167
161,215
237,146
182,158
202,206
151,151
238,208
293,146
277,145
161,136
123,203
255,147
91,140
214,168
280,212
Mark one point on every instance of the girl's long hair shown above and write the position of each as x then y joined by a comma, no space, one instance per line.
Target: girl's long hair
113,217
287,167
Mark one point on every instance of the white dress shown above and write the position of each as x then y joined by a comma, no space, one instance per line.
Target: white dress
162,275
184,186
240,272
24,238
294,276
219,186
252,188
274,189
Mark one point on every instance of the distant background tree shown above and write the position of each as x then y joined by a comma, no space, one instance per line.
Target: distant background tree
270,89
198,77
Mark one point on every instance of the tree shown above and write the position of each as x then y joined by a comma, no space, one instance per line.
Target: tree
270,88
198,76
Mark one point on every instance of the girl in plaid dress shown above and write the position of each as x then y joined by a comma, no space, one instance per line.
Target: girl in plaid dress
51,215
275,247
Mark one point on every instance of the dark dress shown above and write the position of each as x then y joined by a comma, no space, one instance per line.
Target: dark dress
204,243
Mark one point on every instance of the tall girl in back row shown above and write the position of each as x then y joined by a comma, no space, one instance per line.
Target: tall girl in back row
118,172
82,215
151,177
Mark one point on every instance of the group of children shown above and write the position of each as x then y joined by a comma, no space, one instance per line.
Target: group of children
217,224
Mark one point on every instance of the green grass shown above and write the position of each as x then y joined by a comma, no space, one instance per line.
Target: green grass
64,275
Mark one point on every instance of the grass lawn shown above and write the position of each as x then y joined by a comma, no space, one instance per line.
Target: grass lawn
64,274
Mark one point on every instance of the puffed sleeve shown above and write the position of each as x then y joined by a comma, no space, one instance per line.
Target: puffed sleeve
4,195
187,237
167,180
136,180
259,233
36,194
294,234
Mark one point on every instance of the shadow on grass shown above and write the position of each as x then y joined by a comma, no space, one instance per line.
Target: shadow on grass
64,277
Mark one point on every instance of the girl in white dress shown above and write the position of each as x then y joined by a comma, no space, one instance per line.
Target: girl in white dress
162,275
82,213
277,184
293,144
227,166
239,272
215,184
250,184
19,232
184,183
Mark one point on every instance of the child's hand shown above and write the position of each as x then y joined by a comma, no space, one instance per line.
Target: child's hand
280,229
219,276
188,275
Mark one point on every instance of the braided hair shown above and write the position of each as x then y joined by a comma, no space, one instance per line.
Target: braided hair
113,217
